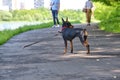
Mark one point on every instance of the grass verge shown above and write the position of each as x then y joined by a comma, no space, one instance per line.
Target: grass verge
5,35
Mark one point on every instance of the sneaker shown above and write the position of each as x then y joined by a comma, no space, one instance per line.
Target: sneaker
58,26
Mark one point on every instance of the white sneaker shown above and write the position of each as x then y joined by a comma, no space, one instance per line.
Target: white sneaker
58,26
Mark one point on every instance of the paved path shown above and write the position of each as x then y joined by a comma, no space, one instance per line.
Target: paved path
45,61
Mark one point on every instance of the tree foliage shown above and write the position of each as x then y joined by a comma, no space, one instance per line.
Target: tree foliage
108,2
107,11
41,14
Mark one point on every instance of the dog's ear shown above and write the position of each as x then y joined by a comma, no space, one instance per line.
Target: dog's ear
63,20
67,19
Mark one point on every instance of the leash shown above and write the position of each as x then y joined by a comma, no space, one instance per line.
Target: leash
47,37
38,41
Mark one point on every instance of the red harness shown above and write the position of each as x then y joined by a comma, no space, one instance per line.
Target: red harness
63,28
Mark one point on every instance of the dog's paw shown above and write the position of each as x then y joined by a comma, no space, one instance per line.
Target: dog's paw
88,53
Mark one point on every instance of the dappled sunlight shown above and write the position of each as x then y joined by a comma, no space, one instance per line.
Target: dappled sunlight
86,56
7,67
94,53
116,70
109,35
106,50
117,42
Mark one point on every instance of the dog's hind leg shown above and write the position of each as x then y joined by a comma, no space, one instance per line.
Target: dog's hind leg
87,46
85,41
71,46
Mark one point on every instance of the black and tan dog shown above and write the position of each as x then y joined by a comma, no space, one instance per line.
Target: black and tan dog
69,33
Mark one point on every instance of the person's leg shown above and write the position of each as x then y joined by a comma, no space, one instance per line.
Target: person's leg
88,16
53,15
56,16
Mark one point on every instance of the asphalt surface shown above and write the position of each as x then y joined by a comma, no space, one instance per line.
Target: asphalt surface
45,60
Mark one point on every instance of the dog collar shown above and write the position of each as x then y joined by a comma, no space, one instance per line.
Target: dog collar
63,28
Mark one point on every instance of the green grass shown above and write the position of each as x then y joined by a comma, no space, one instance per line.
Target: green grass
7,34
111,25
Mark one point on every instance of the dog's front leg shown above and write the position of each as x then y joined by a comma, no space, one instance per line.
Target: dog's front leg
65,50
71,46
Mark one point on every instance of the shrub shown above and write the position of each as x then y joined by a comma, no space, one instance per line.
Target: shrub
5,16
109,16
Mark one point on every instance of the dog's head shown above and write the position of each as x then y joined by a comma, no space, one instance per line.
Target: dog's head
66,24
